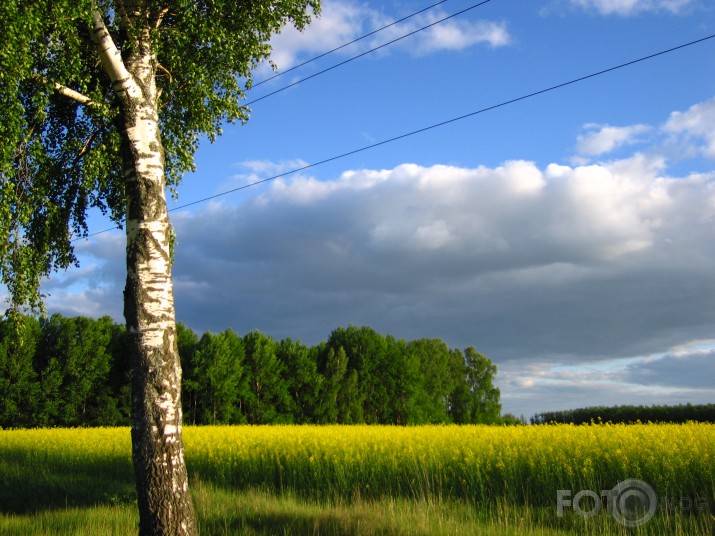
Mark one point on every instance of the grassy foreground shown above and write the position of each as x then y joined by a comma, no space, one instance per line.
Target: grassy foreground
367,479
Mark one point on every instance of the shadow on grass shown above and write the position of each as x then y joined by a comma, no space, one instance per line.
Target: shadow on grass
262,523
31,485
255,514
52,486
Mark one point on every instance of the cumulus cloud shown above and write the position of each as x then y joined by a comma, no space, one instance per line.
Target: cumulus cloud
454,34
633,7
256,171
343,21
694,128
571,262
339,23
602,139
270,168
685,134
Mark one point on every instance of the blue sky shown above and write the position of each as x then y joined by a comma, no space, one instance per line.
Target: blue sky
568,236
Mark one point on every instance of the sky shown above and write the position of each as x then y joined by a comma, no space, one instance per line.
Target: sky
568,236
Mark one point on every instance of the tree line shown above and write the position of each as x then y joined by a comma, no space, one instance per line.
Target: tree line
75,371
681,413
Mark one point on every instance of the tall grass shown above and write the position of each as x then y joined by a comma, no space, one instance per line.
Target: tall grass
369,479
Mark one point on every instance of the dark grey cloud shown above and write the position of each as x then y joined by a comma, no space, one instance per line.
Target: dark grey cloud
695,370
595,261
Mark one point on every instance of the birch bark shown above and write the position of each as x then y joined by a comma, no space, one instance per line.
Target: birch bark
165,505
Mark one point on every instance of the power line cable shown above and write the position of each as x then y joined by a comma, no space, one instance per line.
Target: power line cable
353,58
430,127
319,56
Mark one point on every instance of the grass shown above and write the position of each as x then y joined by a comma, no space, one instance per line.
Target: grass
253,512
362,480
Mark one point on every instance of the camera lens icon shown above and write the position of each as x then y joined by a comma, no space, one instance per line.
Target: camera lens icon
632,502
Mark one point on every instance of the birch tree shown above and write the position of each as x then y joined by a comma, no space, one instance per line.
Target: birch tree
103,104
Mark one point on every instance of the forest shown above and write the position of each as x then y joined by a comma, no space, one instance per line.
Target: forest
75,371
678,414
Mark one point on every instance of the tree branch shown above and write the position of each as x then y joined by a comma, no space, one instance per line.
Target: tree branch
160,17
111,59
162,68
171,78
66,91
85,148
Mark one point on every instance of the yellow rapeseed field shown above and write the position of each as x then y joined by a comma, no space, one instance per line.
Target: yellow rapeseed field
521,464
524,464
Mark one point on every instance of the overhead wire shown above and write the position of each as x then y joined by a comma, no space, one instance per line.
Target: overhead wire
344,45
353,58
429,127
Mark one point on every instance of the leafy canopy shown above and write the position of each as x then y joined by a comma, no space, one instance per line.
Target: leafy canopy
60,121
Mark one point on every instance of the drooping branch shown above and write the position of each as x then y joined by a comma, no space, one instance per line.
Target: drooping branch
171,78
162,68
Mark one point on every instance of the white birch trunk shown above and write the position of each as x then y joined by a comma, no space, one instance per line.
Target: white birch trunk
165,505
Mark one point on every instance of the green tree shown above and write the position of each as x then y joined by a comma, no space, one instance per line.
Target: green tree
104,102
341,399
333,371
349,400
304,383
459,401
18,381
187,341
218,381
382,374
268,400
486,407
438,382
474,399
117,410
73,355
404,383
365,351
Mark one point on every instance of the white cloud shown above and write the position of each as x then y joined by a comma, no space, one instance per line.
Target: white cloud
601,139
685,134
268,168
633,7
254,171
414,208
342,21
455,34
696,127
339,23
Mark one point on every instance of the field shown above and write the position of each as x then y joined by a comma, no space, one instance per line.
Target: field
373,479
